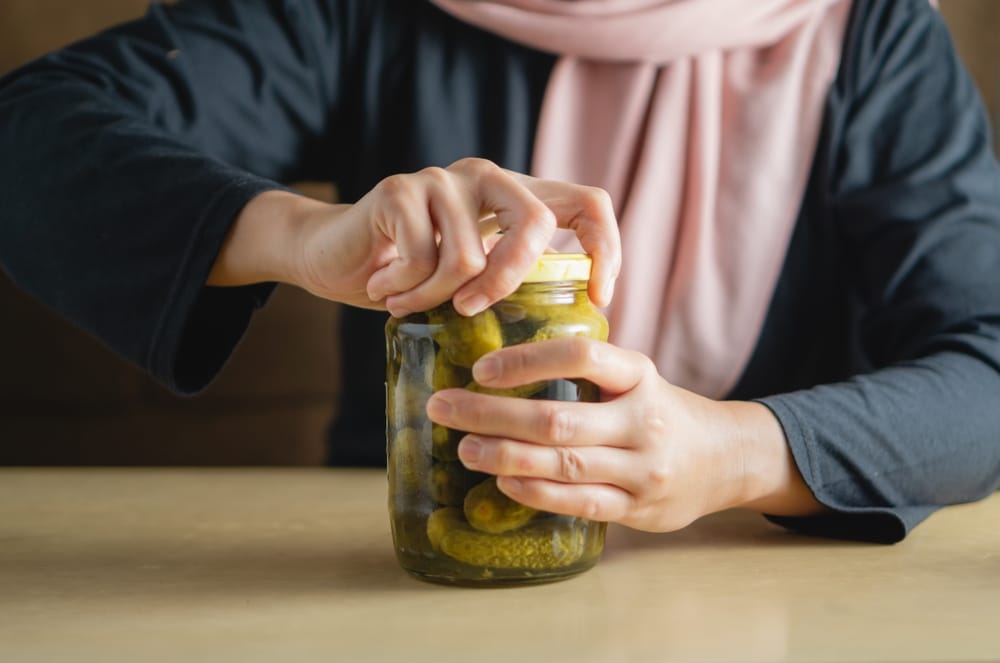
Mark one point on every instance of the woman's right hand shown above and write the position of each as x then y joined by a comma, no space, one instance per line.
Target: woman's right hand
417,240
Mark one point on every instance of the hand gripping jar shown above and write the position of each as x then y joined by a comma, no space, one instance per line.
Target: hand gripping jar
451,524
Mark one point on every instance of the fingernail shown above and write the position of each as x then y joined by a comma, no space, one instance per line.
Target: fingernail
472,304
440,409
509,484
470,449
486,369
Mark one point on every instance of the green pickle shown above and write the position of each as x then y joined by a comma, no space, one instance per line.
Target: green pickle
446,375
520,391
537,547
408,461
451,524
444,442
441,522
534,547
488,510
465,339
450,481
575,320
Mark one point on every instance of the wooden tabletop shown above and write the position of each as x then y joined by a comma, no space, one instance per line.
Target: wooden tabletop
297,564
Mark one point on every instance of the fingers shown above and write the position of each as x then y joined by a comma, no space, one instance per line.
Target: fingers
541,421
600,502
404,218
589,213
439,241
611,368
614,370
527,226
460,254
425,216
504,457
433,216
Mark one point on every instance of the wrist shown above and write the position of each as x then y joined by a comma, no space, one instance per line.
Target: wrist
263,244
769,481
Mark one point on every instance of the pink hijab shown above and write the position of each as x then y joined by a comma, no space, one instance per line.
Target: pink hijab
701,119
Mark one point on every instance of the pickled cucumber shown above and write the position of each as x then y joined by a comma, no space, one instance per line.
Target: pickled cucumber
446,375
440,522
520,391
450,481
407,403
465,339
450,523
408,460
444,442
579,319
489,510
538,546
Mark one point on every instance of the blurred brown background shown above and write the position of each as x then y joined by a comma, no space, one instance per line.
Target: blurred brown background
65,399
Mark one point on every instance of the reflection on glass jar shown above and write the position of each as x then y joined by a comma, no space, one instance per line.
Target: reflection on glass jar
450,524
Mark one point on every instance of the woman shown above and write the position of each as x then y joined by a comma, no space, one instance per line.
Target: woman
808,317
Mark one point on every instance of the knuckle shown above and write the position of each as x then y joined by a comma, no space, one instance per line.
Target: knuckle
502,458
503,282
516,361
466,264
559,424
534,238
570,464
546,217
597,354
654,423
658,477
544,221
592,508
647,366
474,166
395,187
478,407
582,352
435,174
597,200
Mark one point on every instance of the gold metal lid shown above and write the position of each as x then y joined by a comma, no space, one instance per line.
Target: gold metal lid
554,267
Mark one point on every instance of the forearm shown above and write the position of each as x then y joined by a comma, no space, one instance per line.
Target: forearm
769,480
265,242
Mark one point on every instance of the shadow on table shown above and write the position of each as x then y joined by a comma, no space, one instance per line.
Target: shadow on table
143,568
285,567
730,530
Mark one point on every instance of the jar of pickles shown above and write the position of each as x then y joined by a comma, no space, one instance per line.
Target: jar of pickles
451,524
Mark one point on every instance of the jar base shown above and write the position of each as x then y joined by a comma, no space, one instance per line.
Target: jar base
498,581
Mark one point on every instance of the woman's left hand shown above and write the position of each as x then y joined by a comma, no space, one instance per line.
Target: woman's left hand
650,455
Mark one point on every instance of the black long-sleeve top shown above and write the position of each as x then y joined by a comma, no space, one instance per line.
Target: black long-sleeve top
125,158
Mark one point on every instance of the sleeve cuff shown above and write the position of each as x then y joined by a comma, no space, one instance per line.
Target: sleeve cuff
875,524
201,325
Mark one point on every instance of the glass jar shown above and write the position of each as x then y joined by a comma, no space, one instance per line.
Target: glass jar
451,524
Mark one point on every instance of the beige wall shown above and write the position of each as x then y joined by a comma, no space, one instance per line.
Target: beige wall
66,399
29,28
975,25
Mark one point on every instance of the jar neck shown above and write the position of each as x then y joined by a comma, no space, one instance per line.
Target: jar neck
551,292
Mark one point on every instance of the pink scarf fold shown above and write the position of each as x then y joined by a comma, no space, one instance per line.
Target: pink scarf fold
701,119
